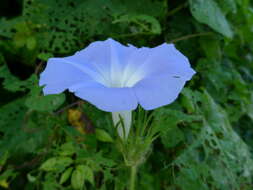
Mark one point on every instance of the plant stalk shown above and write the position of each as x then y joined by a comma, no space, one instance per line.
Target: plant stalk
133,177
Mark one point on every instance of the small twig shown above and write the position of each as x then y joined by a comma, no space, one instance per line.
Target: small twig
38,67
31,163
132,35
68,106
174,11
190,36
89,127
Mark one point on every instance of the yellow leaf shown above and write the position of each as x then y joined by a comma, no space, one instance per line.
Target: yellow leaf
75,119
4,183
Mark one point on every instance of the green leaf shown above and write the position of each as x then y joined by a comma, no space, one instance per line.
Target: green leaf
80,174
78,177
67,149
208,12
103,136
44,56
187,100
172,137
211,47
31,43
7,26
23,36
228,6
14,84
89,176
65,175
165,118
8,173
145,22
12,114
31,178
50,183
37,101
3,159
56,163
250,107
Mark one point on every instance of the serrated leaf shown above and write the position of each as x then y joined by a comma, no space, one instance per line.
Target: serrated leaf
37,101
14,84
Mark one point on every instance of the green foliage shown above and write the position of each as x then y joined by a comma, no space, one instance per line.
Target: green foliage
56,163
208,12
80,174
206,136
216,146
36,101
103,136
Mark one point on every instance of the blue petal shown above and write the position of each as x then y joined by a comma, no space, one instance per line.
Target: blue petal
107,57
59,75
156,91
107,99
163,59
156,75
101,61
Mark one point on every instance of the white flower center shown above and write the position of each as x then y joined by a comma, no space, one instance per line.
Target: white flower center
120,79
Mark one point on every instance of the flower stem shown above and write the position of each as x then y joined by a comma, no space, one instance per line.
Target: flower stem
133,177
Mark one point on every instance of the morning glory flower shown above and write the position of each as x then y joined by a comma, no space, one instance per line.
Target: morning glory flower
116,78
